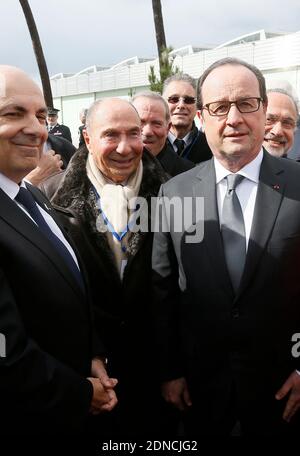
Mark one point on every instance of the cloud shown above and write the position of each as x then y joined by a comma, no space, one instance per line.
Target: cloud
79,34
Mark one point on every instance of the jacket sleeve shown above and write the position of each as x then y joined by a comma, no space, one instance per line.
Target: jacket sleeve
33,383
166,300
68,134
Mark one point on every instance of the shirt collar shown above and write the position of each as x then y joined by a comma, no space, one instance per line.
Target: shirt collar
250,171
187,139
10,187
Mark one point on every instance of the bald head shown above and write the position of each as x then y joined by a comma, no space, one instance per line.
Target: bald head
113,138
108,106
22,123
14,79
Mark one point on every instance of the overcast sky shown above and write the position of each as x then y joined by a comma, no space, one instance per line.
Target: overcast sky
79,33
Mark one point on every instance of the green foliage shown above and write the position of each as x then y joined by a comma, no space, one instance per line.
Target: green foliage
166,70
155,84
131,92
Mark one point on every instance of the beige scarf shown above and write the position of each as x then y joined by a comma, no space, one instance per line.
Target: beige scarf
114,204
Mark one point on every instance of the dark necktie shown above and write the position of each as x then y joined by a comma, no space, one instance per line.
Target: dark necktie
180,144
233,231
25,197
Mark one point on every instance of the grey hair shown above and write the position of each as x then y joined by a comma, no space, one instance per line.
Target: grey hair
288,94
179,77
83,111
232,61
154,96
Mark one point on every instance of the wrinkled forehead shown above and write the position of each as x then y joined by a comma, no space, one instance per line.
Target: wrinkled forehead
21,93
282,104
230,81
18,86
180,88
150,106
114,114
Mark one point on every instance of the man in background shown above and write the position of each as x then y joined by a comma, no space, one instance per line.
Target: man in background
281,122
82,116
185,138
155,118
55,128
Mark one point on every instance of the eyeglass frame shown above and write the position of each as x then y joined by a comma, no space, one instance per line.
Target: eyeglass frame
230,103
187,97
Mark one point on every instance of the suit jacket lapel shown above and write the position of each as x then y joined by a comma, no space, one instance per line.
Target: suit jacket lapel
46,205
212,235
268,200
21,223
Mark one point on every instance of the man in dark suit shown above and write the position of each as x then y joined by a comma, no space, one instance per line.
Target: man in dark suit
155,117
61,146
97,196
81,128
227,284
49,381
184,137
294,152
55,128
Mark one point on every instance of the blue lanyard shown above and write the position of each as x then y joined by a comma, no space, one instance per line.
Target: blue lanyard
118,236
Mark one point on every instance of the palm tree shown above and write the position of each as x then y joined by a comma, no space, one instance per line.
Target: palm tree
38,50
160,32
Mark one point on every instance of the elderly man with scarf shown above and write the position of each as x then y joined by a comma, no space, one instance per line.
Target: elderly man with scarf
94,194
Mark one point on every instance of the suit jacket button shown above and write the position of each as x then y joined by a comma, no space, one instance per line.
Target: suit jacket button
235,313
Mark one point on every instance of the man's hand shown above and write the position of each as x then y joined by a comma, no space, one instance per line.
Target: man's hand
176,392
99,373
104,399
49,164
292,386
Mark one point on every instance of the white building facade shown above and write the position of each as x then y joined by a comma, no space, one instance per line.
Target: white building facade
276,55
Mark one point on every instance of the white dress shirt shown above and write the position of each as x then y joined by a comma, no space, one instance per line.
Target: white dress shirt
187,139
246,191
11,189
50,127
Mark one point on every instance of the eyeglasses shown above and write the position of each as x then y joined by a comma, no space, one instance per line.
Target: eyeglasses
187,100
244,105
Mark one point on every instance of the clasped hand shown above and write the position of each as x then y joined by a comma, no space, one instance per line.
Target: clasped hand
104,397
